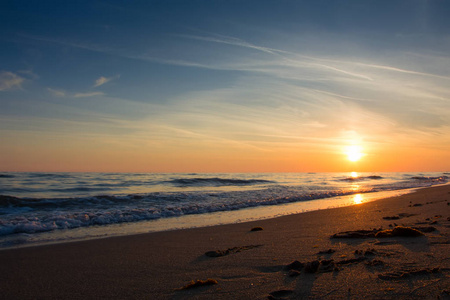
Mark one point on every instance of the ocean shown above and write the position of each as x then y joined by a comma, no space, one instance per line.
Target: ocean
39,208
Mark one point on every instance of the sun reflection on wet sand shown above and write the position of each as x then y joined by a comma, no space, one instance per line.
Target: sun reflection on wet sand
358,198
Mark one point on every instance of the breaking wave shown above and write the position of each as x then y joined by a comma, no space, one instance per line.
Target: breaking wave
180,182
431,179
40,202
6,176
104,210
372,177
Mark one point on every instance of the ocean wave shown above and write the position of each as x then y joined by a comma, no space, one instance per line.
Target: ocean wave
50,175
121,214
99,201
9,200
362,178
6,176
33,214
82,189
215,182
425,178
33,203
15,190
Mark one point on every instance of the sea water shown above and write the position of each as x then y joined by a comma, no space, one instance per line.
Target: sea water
38,208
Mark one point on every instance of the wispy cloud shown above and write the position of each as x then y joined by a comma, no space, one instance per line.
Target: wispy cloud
62,93
29,74
276,101
233,41
287,94
56,93
10,80
345,72
90,94
102,80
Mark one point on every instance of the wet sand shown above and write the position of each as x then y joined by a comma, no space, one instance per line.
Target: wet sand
343,253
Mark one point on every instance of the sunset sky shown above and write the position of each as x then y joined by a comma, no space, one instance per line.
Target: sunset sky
225,86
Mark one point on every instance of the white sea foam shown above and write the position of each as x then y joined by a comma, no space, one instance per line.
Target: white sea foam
31,203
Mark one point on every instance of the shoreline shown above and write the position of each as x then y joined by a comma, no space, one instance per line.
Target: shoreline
192,221
158,264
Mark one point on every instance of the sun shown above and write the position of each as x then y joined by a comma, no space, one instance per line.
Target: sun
354,153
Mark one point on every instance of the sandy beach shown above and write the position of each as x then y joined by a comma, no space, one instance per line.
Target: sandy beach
224,149
343,253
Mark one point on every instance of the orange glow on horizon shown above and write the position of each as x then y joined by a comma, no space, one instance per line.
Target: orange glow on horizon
72,155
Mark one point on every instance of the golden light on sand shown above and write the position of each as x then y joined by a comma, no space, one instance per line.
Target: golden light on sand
354,153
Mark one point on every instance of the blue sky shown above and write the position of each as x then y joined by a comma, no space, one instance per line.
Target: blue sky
224,85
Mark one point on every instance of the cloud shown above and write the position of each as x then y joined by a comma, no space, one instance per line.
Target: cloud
102,80
56,93
62,93
303,94
221,39
9,80
28,74
85,95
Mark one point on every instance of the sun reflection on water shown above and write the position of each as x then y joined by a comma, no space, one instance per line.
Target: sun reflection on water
355,188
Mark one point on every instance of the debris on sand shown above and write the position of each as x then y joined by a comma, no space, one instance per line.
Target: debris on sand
424,229
399,231
329,251
258,228
198,283
356,234
218,253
